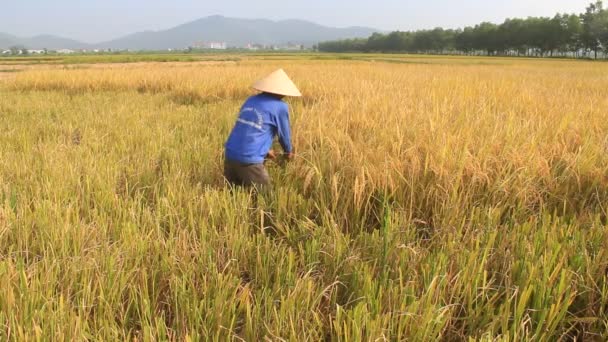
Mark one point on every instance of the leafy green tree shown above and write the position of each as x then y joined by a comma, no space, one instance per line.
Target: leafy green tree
486,38
513,35
574,32
600,28
537,36
465,40
377,42
592,27
395,42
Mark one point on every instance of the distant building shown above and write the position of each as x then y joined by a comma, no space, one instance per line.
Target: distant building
211,45
255,47
217,46
6,52
65,51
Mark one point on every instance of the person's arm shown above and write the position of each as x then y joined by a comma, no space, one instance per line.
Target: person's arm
272,155
284,132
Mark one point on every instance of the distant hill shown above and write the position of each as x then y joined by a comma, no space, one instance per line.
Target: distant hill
41,42
6,41
236,32
232,31
53,43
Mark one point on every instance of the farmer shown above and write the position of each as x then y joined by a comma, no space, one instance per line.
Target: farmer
262,117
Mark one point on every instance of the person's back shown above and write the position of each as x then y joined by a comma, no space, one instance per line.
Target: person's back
261,118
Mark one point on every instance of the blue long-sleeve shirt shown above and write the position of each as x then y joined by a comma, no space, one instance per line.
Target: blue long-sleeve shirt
262,117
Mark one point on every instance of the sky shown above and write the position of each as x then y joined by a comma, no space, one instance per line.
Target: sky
95,21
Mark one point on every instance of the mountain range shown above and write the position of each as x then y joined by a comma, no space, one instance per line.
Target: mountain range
232,31
40,42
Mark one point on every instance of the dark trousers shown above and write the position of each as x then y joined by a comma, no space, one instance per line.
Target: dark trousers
247,175
256,178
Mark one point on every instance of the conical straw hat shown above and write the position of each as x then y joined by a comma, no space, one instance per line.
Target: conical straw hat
277,83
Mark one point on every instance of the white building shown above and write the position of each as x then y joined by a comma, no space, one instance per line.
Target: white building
218,46
6,52
36,52
65,51
211,45
255,47
292,47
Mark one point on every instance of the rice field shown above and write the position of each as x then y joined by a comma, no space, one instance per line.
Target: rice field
431,199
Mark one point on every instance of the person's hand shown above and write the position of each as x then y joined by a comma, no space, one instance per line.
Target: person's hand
271,155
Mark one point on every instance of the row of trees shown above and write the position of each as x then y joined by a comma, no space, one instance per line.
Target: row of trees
563,35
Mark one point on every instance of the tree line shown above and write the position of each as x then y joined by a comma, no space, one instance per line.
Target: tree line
564,35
